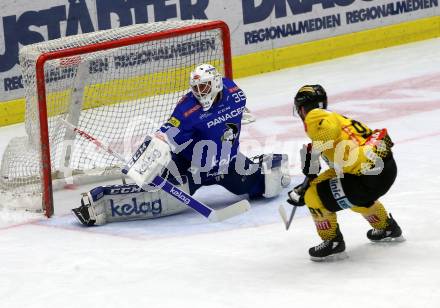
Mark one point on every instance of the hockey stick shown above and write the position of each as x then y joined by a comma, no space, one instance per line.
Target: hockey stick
299,190
209,213
282,211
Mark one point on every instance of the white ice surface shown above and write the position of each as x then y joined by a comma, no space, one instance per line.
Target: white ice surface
250,261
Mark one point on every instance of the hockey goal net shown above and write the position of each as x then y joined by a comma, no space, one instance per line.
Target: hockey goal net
119,85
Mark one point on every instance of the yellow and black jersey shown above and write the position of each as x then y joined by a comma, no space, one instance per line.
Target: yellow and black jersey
345,143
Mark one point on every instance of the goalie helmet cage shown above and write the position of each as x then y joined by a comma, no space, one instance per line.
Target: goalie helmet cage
102,82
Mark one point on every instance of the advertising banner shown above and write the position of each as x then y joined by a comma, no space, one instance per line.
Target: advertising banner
255,25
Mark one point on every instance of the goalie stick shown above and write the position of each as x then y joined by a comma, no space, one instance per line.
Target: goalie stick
209,213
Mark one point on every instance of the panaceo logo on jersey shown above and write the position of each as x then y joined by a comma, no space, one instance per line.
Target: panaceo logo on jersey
230,115
152,208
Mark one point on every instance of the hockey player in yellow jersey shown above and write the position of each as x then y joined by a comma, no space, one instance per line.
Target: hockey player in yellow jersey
361,169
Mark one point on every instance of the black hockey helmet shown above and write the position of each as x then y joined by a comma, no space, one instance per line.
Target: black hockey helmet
310,97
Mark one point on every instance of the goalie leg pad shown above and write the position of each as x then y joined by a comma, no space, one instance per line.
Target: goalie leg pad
114,203
276,175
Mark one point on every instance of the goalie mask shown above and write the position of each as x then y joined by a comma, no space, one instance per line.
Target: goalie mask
205,84
310,97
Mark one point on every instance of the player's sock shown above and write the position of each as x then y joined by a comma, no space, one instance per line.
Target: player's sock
392,232
376,215
332,249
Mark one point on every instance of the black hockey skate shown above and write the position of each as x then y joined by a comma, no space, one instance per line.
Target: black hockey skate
329,250
392,233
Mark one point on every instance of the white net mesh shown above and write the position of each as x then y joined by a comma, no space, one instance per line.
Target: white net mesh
118,95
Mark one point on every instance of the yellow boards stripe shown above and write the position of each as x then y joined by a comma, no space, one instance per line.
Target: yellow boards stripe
11,112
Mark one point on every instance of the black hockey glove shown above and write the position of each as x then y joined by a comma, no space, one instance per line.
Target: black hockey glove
296,196
310,161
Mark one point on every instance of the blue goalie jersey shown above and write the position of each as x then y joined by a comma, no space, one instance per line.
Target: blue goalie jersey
207,138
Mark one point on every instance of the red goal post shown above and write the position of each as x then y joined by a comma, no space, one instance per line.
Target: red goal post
195,28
